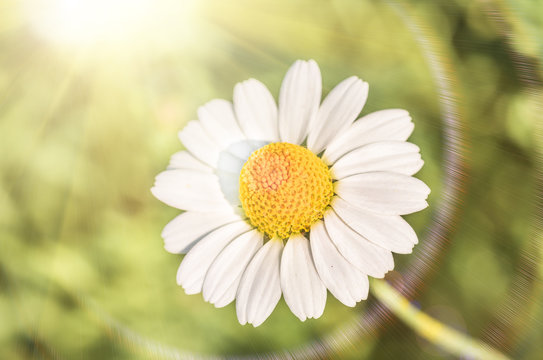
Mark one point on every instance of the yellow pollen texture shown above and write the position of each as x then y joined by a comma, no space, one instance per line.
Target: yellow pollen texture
284,189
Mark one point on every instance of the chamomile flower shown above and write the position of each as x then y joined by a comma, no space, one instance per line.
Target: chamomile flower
291,199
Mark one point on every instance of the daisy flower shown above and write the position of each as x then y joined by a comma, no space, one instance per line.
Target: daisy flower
291,199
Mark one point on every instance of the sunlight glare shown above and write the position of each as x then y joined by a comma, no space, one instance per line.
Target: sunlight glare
80,23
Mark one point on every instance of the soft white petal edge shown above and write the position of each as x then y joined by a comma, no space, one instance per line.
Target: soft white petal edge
218,120
185,160
190,190
226,270
392,156
383,125
338,110
193,268
244,149
303,290
229,295
383,192
229,166
367,257
260,287
229,184
230,163
391,232
256,110
199,144
188,228
299,100
348,284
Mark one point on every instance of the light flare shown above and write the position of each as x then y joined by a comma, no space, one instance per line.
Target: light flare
119,24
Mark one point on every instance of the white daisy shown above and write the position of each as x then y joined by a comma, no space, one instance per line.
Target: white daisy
291,199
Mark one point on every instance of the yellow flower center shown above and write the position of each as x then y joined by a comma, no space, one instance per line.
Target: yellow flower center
284,189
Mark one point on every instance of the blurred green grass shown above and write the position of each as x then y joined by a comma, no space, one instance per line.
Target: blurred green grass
84,129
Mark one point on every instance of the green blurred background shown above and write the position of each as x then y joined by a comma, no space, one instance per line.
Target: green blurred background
92,94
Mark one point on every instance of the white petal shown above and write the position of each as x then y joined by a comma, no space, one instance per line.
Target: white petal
260,288
393,156
303,290
231,161
391,232
244,149
228,170
229,295
184,160
228,267
337,112
198,142
256,110
384,125
187,229
228,162
218,120
348,284
384,192
190,190
196,263
364,255
229,184
299,100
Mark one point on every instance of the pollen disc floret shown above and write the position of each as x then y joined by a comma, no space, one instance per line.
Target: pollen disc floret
284,189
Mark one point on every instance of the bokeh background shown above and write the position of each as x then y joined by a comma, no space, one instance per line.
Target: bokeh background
93,93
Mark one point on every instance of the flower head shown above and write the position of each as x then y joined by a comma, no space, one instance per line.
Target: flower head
292,199
284,189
